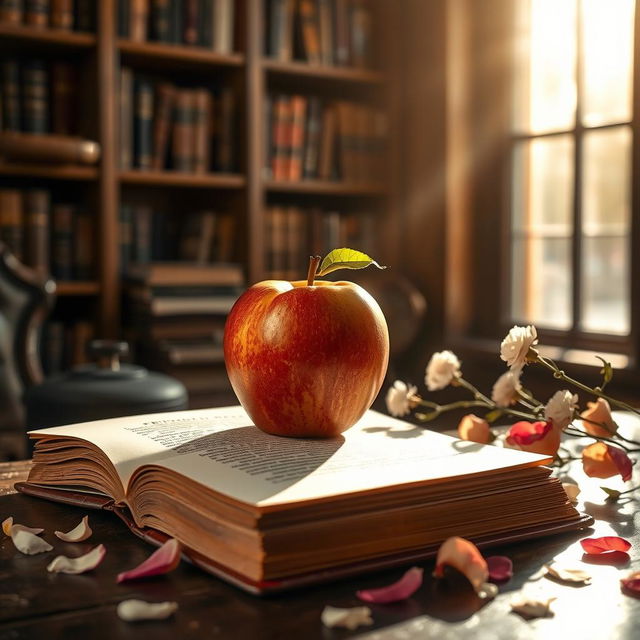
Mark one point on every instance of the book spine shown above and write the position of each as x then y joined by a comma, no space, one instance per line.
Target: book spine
205,23
326,159
177,16
190,22
63,116
162,123
312,138
309,33
142,234
83,248
11,11
37,13
223,25
11,112
225,239
202,107
138,20
82,332
325,26
62,242
182,130
124,11
143,129
279,160
85,17
224,131
126,237
61,16
35,93
295,243
361,23
298,118
125,113
37,211
53,348
11,221
278,243
161,20
341,29
48,148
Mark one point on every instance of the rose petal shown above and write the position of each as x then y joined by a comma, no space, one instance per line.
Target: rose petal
27,542
604,544
500,568
532,607
7,527
572,490
465,557
568,574
84,563
600,460
535,437
78,534
399,590
350,618
632,583
622,462
163,560
133,610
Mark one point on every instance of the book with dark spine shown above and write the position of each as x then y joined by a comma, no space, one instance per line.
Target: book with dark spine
312,138
277,243
36,13
63,100
143,124
11,221
83,246
161,20
124,15
224,240
296,137
341,41
281,19
224,131
125,236
182,138
11,112
361,22
62,241
85,15
142,234
280,137
125,116
190,22
37,205
165,97
201,111
11,11
309,36
196,242
177,16
138,20
61,14
205,24
327,153
35,97
326,29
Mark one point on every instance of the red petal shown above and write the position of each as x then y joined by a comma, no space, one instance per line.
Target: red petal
399,590
604,544
622,462
632,583
163,560
524,432
500,568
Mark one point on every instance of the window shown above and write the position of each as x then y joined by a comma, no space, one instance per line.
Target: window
570,167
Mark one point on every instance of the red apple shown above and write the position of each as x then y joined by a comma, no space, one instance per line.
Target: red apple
306,361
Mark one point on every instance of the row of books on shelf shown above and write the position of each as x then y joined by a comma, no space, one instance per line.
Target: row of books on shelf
188,129
64,344
294,233
68,15
53,238
199,237
331,32
37,96
311,138
202,23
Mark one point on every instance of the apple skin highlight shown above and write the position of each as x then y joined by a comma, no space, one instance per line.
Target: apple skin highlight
306,361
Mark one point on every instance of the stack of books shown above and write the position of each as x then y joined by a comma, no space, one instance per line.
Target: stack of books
66,15
310,138
202,23
54,239
162,126
330,32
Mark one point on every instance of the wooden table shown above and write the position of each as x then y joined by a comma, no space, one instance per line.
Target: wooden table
36,604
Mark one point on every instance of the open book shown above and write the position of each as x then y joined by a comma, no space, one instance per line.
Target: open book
267,512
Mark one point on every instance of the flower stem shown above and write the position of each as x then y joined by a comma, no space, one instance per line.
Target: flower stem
577,433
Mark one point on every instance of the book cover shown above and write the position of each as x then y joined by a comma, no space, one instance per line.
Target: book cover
143,123
61,14
183,139
160,20
201,135
309,36
165,98
37,205
35,96
296,137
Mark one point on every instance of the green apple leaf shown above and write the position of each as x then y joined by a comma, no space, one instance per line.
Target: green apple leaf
346,259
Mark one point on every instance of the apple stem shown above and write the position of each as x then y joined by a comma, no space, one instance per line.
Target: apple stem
314,261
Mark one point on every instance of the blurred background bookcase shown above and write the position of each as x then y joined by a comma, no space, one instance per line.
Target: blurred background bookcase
283,62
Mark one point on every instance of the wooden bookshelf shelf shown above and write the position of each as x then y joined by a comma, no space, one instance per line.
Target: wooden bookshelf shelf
57,172
174,53
323,72
79,288
327,187
177,179
57,37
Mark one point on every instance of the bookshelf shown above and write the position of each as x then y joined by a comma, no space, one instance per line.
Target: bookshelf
247,193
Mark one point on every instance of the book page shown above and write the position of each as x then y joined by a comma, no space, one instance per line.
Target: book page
221,449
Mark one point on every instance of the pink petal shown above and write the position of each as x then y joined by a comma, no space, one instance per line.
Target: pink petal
632,583
622,462
163,560
399,590
74,566
466,558
500,568
604,544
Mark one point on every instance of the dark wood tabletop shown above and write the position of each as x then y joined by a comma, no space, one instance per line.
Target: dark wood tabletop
37,604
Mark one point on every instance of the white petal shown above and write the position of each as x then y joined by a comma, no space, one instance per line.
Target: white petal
28,542
78,534
349,618
132,610
568,574
87,562
572,490
533,607
8,526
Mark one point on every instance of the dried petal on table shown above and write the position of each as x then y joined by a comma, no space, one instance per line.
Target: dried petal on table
87,562
349,618
605,544
78,534
163,560
7,527
399,590
134,610
572,490
631,583
464,556
533,607
567,573
27,542
500,568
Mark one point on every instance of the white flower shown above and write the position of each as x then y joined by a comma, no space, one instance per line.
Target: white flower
505,390
560,408
516,345
441,370
398,398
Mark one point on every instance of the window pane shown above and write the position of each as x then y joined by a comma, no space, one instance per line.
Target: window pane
541,291
545,83
605,231
608,57
542,230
